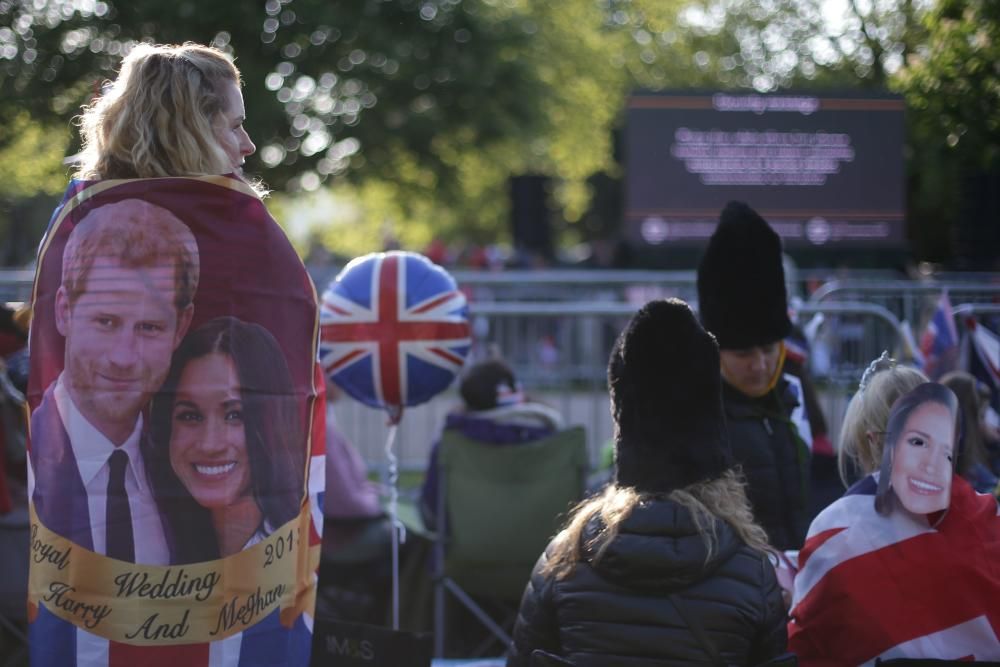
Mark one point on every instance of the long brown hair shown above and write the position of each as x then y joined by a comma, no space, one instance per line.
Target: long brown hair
723,498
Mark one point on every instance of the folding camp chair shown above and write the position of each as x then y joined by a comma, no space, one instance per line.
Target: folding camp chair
498,506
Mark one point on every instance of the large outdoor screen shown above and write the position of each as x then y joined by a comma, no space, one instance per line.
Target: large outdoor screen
823,171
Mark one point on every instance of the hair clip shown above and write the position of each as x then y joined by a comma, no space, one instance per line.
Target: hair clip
883,363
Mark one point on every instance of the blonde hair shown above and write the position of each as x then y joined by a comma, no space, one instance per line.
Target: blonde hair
156,118
723,498
862,437
138,235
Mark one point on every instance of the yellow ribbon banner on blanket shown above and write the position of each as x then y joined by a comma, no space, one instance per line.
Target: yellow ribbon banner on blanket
178,604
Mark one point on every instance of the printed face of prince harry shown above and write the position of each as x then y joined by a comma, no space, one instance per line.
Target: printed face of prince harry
121,331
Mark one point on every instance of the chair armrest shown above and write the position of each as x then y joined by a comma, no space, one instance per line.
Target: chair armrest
409,515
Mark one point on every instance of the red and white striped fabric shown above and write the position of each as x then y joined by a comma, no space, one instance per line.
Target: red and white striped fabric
872,586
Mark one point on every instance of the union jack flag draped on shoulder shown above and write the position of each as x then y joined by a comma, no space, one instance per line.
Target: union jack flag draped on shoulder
872,586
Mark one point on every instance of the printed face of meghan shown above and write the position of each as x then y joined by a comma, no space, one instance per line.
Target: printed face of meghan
208,449
922,459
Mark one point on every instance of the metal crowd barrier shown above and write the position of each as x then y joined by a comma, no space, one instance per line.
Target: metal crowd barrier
976,309
559,352
15,284
910,300
556,329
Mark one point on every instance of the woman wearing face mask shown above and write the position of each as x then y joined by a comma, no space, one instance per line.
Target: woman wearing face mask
918,465
227,460
904,564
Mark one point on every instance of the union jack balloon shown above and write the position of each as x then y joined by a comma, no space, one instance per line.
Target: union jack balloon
394,330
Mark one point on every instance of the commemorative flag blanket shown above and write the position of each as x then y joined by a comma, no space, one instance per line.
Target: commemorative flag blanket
872,586
176,431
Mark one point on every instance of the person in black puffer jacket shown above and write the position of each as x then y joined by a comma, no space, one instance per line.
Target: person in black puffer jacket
666,566
743,302
773,458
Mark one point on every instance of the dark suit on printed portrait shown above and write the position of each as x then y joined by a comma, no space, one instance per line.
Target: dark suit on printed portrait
59,496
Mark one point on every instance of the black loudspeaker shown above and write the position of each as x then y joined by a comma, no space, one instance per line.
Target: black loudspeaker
977,229
531,226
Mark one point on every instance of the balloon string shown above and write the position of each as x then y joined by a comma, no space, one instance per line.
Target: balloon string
398,529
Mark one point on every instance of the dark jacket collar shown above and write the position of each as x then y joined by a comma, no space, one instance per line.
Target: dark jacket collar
658,548
779,402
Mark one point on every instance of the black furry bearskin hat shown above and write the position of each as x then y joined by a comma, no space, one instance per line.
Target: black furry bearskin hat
742,298
666,399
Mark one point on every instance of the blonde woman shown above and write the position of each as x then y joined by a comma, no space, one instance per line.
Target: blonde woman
667,564
172,111
168,131
862,441
898,580
862,437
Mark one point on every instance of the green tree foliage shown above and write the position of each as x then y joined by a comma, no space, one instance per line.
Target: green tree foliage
952,82
32,174
417,112
385,74
774,44
44,173
425,108
952,88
